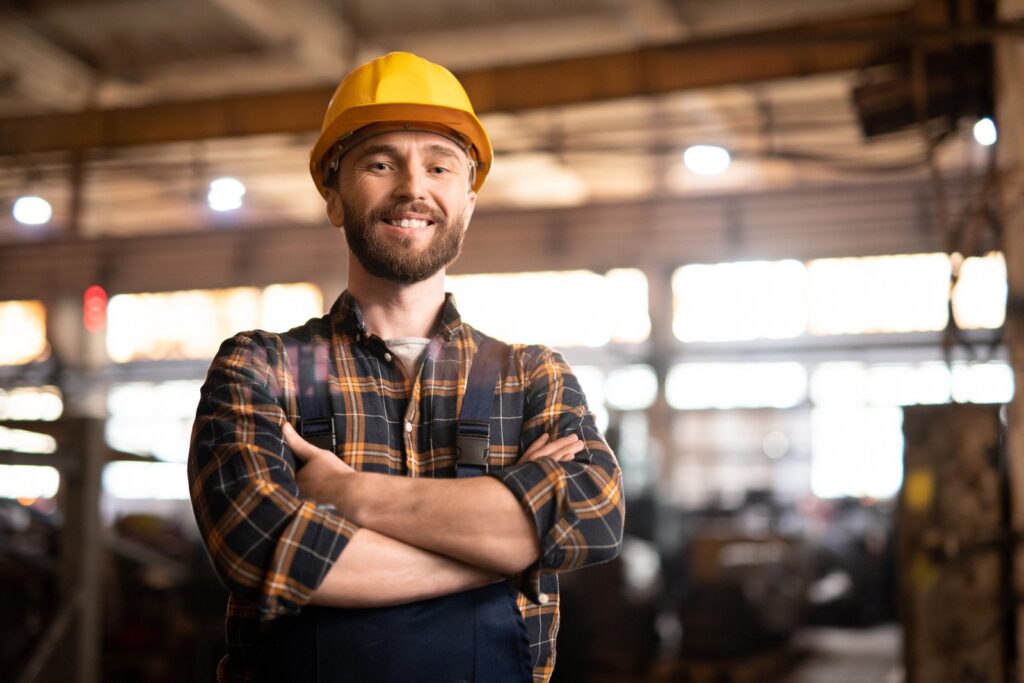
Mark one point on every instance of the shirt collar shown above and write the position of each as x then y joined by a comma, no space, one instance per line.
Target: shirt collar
347,317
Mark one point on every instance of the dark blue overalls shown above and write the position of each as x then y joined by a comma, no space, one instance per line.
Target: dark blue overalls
477,636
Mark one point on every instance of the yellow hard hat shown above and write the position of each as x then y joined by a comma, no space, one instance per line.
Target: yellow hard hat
401,88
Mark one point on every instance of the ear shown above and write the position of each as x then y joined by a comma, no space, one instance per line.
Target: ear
335,208
470,206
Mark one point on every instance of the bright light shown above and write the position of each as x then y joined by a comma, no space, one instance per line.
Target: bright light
192,324
22,332
856,451
94,308
695,386
152,419
633,387
850,383
985,132
146,480
225,194
32,210
707,159
586,322
24,441
28,481
739,301
979,298
983,382
31,403
878,294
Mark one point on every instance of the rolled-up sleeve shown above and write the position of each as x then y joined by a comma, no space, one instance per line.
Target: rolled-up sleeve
577,506
270,546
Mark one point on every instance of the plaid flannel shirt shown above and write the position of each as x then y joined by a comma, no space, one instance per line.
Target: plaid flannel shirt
272,547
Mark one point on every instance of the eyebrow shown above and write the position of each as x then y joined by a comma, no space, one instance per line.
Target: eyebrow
391,150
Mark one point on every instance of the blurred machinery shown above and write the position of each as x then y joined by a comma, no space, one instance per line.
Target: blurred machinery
954,549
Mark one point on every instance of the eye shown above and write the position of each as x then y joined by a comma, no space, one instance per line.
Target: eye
378,166
439,170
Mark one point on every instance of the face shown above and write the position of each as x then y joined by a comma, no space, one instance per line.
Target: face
404,200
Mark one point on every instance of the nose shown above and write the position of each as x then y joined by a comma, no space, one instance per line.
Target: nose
411,183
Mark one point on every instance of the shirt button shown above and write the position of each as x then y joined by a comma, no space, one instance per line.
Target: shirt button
408,426
543,598
387,357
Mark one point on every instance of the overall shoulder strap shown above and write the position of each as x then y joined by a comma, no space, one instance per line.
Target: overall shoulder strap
473,438
309,362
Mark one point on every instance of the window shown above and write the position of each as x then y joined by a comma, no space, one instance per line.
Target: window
592,382
152,419
856,451
739,301
192,324
979,298
557,308
22,332
146,480
885,384
633,387
878,294
904,384
983,382
691,386
31,403
27,482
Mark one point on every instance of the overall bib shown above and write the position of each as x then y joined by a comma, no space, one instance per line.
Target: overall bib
477,636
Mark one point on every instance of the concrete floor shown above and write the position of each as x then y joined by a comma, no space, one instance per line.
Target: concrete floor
816,655
848,656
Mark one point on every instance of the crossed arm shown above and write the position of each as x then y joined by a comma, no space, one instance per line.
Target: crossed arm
420,538
391,539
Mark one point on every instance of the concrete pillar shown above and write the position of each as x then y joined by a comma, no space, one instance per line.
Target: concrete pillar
662,345
1010,119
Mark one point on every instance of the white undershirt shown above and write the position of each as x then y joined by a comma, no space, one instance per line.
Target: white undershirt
411,350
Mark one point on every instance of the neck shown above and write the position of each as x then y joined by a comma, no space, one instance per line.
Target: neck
393,309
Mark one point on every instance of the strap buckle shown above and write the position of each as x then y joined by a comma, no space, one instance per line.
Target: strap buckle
319,431
472,444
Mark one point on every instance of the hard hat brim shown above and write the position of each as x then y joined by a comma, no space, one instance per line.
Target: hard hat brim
462,122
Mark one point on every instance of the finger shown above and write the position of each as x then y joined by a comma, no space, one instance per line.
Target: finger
567,453
302,449
556,445
536,445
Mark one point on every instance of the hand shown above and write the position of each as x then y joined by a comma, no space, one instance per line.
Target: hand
558,450
319,466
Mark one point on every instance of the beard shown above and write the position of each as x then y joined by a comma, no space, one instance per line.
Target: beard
395,260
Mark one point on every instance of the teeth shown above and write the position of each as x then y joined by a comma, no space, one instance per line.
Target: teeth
410,223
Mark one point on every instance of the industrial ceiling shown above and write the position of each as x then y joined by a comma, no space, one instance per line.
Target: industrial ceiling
120,112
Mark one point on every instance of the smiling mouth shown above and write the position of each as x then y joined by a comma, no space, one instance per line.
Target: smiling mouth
408,222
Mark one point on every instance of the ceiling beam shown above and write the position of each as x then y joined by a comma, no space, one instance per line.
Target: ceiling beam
318,36
43,72
821,48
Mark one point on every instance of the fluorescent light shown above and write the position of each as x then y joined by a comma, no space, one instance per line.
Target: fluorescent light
225,194
32,210
985,132
706,159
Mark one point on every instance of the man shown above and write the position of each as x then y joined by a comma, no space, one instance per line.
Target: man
369,559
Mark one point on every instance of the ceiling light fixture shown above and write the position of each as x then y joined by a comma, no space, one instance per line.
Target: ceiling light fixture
985,132
31,210
707,159
225,194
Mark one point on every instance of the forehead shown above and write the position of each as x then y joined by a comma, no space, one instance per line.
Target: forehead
406,142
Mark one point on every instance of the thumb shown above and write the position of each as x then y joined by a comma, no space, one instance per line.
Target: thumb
302,449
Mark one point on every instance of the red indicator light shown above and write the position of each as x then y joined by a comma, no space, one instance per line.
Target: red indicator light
94,308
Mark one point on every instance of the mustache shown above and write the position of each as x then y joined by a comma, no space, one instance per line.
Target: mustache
408,207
